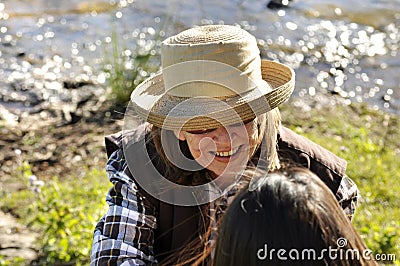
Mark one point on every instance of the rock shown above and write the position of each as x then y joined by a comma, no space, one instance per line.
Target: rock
10,118
278,4
16,240
73,84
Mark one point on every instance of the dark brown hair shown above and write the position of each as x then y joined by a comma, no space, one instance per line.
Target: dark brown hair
289,209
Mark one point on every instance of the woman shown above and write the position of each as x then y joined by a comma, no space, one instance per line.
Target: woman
291,218
209,114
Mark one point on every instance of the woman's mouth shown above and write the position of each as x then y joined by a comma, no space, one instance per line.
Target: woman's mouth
226,154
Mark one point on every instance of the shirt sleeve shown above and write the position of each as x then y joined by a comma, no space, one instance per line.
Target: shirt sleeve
125,234
347,195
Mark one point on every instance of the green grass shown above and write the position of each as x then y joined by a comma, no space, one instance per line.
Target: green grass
64,213
11,262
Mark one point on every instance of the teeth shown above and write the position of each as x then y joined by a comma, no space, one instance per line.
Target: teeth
226,153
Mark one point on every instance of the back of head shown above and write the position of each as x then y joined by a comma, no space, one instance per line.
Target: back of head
291,218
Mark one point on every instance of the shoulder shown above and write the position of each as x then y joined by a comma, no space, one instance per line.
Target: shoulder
298,149
117,140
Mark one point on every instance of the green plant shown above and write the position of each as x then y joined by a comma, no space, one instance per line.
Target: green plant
126,68
65,213
11,262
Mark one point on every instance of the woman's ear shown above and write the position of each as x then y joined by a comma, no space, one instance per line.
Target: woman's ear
179,134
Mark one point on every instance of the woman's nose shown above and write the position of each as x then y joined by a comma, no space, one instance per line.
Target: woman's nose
221,135
224,134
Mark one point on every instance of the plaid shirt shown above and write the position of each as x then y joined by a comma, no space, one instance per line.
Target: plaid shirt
125,234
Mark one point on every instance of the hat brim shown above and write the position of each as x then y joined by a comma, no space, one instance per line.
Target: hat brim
154,105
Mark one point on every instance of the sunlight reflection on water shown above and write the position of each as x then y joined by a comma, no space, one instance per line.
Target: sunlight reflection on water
335,47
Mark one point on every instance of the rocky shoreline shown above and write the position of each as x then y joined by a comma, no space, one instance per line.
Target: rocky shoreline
56,146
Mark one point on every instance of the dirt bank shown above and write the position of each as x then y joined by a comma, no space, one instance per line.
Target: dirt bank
55,146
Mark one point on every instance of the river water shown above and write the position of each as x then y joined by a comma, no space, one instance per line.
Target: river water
57,52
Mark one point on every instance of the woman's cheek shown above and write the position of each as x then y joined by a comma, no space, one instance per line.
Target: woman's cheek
200,147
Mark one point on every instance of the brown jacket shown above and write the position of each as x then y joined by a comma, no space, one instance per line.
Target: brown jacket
176,225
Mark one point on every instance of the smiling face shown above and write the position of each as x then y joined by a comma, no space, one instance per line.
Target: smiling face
225,150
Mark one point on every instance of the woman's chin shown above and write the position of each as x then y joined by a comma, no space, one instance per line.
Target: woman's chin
230,172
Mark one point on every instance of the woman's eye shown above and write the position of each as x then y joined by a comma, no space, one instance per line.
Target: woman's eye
237,125
242,123
199,132
206,131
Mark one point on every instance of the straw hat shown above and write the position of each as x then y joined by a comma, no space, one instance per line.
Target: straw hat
211,76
